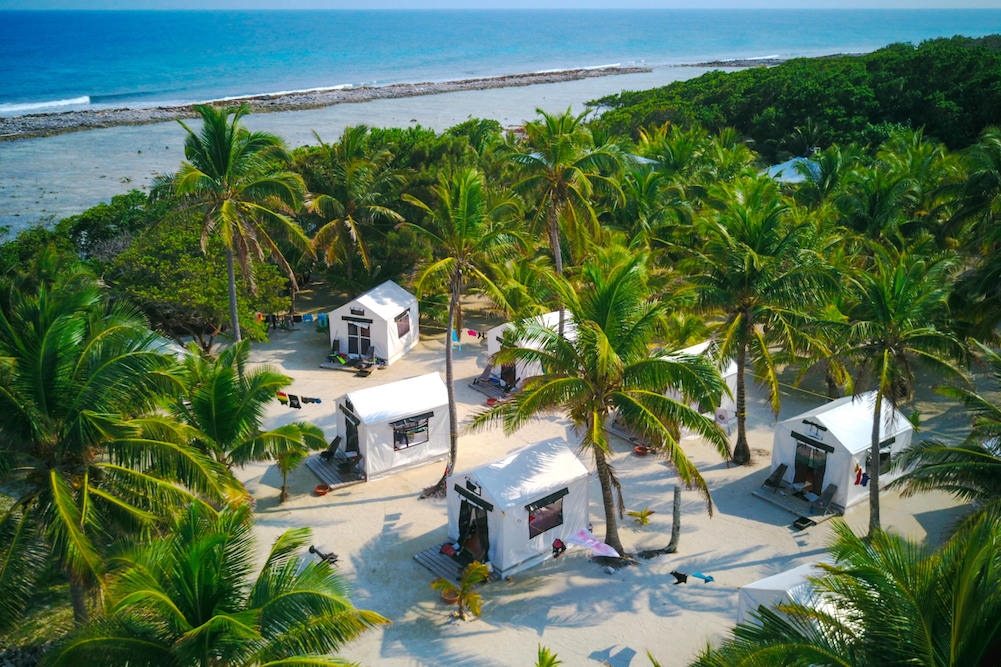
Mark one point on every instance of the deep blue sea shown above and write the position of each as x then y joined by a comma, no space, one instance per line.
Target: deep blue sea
56,60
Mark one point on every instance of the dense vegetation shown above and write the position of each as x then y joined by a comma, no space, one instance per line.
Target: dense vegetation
653,235
949,87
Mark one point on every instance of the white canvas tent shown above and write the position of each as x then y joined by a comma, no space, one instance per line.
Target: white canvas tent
830,445
382,322
508,376
789,586
395,426
510,511
726,410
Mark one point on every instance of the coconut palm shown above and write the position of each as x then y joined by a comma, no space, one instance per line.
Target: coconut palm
886,601
468,234
190,598
82,448
232,175
900,318
757,271
971,470
224,399
606,367
351,188
563,167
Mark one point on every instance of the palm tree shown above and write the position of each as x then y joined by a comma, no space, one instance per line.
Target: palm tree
885,601
971,470
756,269
607,368
351,189
224,400
189,598
81,442
901,307
563,167
232,176
465,229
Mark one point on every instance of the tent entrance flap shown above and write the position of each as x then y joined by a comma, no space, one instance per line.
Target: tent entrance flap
473,498
474,533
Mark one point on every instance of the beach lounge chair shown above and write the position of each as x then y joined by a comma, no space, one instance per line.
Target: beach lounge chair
823,504
774,480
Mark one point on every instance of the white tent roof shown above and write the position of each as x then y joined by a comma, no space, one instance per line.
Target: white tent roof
386,300
791,585
400,399
792,171
521,476
849,420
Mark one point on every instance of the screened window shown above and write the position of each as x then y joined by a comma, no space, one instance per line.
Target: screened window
403,323
546,513
411,431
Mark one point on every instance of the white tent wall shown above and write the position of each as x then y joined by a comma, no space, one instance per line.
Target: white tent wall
789,586
508,485
384,311
844,427
422,399
550,320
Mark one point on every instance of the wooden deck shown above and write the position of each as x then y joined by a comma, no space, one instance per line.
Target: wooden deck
488,389
797,505
329,474
440,565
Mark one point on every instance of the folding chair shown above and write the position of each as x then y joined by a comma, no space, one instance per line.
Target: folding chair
823,504
774,480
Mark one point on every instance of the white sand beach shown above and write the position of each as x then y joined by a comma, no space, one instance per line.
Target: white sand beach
572,605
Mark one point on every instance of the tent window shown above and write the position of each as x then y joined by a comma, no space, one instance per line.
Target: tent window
546,514
411,431
357,311
403,323
884,457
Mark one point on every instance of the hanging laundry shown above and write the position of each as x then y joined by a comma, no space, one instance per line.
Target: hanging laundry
293,402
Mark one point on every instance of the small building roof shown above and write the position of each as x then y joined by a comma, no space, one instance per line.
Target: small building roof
396,400
386,300
527,473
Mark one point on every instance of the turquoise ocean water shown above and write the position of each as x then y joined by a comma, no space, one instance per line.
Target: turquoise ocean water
51,61
59,61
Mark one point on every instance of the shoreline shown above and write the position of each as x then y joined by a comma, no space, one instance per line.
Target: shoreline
35,125
47,124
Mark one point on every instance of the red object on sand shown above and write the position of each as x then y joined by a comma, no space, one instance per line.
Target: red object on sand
321,489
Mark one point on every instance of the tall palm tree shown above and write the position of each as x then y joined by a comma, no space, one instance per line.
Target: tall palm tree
900,318
233,176
81,441
755,268
468,233
971,470
606,368
885,601
189,598
224,399
563,166
351,189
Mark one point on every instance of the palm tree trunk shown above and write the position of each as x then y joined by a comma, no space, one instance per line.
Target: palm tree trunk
741,450
608,501
874,525
438,490
78,598
283,496
234,312
553,231
676,521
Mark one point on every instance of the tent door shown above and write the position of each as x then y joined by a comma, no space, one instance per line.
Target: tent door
811,464
350,434
474,535
359,339
508,376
